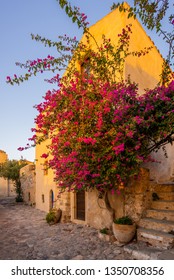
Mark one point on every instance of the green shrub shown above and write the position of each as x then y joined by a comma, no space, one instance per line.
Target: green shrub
51,217
104,230
19,198
124,221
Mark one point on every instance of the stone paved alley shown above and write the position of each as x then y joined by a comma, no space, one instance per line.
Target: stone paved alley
25,235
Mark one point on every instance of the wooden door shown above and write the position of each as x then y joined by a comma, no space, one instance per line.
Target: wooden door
80,205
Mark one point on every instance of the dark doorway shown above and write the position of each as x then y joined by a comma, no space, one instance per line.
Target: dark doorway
80,205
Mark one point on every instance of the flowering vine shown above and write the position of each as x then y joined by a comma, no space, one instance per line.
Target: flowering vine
100,129
102,132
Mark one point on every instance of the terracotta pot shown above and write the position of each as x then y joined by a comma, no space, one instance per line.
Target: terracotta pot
124,233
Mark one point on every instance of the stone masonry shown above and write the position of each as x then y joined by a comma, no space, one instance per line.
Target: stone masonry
28,183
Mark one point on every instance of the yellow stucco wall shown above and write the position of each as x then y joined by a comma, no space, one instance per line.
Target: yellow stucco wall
3,182
144,70
44,180
45,184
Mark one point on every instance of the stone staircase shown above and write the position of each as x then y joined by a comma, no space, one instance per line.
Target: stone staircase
157,227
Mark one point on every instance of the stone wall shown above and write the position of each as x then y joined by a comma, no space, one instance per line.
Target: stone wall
133,200
98,215
28,183
138,196
6,188
163,169
63,202
100,211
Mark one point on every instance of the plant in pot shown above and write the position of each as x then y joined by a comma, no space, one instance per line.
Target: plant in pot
105,234
124,229
53,216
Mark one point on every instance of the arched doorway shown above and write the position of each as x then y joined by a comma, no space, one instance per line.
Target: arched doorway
51,199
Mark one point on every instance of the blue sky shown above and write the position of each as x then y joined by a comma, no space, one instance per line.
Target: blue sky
18,19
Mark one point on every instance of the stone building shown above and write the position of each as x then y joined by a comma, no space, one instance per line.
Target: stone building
88,207
6,186
3,156
28,183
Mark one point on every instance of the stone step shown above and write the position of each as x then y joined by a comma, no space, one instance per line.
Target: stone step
163,204
166,196
165,187
156,238
161,225
140,251
160,214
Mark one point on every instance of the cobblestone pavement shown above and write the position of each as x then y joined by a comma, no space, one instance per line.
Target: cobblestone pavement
25,235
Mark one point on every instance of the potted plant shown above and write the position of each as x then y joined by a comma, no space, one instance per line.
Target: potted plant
124,229
106,234
53,216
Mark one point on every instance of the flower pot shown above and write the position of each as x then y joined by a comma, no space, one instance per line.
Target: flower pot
124,233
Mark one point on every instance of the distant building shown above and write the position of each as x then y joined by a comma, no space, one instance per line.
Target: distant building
28,183
6,186
3,156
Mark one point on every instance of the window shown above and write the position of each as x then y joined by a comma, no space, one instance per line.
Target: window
45,167
85,66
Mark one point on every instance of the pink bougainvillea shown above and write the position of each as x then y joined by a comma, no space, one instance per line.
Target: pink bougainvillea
100,138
